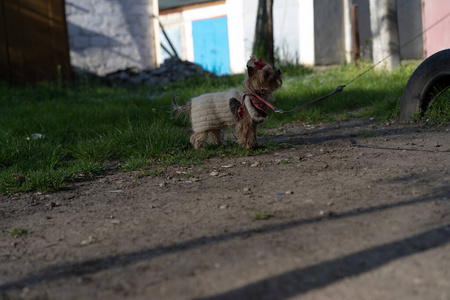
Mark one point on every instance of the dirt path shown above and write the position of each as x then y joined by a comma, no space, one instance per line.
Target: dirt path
352,210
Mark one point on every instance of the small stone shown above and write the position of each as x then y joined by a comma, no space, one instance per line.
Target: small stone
223,206
227,166
214,173
116,221
246,189
330,203
255,164
326,213
289,192
91,239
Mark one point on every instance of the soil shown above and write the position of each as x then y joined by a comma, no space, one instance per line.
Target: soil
349,210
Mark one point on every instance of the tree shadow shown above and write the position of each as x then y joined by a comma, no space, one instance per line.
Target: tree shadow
95,265
355,130
299,281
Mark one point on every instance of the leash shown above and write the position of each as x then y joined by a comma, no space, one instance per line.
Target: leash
340,88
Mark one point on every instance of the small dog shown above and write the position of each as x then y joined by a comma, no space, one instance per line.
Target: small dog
210,113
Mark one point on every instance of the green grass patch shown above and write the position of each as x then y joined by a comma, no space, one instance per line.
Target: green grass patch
261,216
366,135
19,231
53,134
440,112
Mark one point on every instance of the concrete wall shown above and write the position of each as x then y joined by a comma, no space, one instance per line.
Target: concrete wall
409,14
409,23
107,35
329,32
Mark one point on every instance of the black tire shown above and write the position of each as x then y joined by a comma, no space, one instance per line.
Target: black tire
429,80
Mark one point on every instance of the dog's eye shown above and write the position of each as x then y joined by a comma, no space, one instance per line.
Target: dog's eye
266,75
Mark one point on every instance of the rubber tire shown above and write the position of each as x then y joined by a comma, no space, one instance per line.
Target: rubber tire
429,80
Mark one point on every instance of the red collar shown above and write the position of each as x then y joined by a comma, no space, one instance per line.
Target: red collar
258,102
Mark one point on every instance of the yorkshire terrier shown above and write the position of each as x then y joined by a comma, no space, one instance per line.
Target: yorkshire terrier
210,113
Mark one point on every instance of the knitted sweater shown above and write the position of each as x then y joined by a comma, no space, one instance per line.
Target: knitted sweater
212,111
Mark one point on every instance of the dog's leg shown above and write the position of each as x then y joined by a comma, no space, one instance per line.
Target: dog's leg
252,140
246,130
217,137
197,139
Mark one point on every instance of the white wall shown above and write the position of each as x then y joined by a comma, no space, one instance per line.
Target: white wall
107,35
293,27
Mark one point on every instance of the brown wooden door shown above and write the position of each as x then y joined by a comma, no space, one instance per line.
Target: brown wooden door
33,41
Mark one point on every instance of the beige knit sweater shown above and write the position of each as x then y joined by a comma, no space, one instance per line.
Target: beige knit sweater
212,111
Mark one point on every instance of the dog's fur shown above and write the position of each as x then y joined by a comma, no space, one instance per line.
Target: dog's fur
210,113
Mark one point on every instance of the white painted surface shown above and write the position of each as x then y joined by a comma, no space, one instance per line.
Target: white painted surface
306,32
107,35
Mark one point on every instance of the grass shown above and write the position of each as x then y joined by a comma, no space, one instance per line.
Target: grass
261,216
440,112
53,134
19,231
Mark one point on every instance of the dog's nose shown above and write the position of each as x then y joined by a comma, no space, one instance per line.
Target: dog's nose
278,71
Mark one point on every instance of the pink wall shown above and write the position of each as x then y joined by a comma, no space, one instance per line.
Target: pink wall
438,37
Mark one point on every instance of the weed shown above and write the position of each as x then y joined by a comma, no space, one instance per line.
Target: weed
19,231
440,112
151,173
261,216
189,175
285,161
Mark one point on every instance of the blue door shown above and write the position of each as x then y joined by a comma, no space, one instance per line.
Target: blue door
211,45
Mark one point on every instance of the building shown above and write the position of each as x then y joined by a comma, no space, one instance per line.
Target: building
309,32
45,39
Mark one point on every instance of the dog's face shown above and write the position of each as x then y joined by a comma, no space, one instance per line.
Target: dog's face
262,77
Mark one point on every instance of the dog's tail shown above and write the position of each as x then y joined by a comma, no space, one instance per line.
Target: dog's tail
178,110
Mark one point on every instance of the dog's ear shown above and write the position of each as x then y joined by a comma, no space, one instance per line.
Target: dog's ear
250,70
251,66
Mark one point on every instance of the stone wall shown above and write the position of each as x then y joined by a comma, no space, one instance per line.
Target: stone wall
107,35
